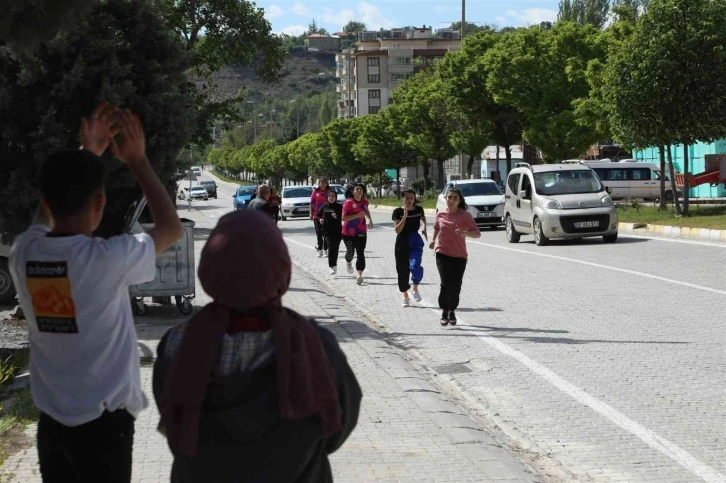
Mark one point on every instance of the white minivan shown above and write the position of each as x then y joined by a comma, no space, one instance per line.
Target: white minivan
631,180
558,201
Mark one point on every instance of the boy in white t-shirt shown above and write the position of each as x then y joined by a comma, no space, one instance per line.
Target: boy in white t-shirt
84,362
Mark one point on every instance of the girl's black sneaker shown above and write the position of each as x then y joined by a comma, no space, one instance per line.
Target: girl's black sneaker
445,317
452,317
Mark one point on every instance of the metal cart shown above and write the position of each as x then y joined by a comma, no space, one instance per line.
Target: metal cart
175,275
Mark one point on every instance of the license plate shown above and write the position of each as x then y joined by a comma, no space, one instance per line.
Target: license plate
301,210
483,214
587,224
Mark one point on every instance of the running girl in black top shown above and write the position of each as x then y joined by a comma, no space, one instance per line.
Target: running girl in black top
331,220
409,245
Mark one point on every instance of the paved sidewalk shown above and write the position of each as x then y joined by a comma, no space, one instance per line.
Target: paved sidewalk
408,430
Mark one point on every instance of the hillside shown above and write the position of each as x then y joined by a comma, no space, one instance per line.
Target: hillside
300,66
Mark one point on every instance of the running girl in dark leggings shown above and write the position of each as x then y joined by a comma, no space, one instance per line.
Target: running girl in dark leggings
452,227
331,217
317,199
355,211
409,246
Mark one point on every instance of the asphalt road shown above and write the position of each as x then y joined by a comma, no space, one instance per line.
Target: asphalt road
609,359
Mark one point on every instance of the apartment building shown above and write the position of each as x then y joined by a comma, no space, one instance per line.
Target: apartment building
381,60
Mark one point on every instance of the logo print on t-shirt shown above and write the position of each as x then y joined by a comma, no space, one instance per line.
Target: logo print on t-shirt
50,290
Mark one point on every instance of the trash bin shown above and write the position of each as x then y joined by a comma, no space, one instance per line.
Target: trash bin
175,268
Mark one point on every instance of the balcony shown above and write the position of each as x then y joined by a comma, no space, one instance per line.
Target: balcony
340,88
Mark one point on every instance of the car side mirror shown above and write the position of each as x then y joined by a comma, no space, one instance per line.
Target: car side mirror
522,194
607,188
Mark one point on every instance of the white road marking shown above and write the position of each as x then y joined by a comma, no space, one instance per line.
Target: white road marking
652,439
606,267
714,244
655,441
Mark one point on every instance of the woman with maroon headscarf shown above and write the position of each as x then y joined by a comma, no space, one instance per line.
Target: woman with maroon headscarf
248,390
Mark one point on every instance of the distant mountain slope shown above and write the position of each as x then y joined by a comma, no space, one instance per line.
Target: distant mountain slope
298,70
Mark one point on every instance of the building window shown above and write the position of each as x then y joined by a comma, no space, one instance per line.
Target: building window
374,109
374,78
403,60
374,94
373,61
398,77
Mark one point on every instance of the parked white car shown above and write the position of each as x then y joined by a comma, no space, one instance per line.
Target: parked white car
484,198
339,191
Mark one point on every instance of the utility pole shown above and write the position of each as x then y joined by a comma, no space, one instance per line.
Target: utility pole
462,168
463,19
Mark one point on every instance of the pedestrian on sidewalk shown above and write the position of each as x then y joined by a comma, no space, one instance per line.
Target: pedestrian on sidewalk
248,390
355,212
276,201
452,227
318,198
261,202
331,218
408,250
73,289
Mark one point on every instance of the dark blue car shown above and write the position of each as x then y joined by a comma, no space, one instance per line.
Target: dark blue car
242,197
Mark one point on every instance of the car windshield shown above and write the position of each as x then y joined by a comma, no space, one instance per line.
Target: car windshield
567,182
208,183
198,188
245,190
479,189
338,189
297,192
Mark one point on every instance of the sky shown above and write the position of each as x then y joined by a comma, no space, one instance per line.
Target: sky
293,16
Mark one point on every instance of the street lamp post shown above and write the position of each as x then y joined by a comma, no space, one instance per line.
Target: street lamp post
254,127
269,125
297,116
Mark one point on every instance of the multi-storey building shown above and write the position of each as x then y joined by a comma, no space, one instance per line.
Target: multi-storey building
381,60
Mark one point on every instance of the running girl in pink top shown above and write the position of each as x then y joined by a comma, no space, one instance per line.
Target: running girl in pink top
355,212
453,225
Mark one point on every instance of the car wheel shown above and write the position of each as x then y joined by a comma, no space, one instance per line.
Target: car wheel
610,238
512,235
539,238
7,289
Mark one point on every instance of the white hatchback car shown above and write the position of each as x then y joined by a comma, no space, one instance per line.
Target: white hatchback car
295,201
485,200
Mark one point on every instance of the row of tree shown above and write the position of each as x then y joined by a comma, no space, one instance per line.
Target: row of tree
656,76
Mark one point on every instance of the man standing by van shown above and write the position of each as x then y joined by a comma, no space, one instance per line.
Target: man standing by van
73,288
